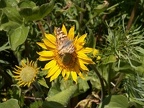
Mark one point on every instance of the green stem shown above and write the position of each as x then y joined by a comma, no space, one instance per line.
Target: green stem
81,14
109,80
101,81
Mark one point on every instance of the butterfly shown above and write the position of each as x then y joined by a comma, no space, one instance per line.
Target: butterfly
65,46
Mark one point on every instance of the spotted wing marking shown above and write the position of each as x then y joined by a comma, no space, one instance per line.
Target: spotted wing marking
64,45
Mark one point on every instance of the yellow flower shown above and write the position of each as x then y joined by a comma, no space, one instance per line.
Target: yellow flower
25,74
71,63
95,54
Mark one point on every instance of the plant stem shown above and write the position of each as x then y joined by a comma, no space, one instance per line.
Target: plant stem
132,15
81,14
101,81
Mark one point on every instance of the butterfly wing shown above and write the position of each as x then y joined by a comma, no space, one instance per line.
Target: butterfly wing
64,45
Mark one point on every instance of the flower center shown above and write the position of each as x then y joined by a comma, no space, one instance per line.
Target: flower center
27,74
66,60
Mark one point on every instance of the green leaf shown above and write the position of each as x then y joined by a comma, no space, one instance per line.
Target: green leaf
140,69
4,47
9,25
109,59
55,89
36,13
36,104
139,49
82,85
79,8
100,8
12,103
94,80
13,14
115,101
18,36
10,3
26,3
43,82
52,104
61,98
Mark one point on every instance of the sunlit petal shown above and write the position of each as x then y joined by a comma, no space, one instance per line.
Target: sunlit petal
95,52
48,44
44,58
42,45
87,50
50,64
57,73
46,53
82,66
81,40
79,47
64,72
51,38
71,33
87,60
64,29
74,76
98,58
82,55
67,75
52,71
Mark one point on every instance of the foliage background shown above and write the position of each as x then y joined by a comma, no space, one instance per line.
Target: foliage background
115,27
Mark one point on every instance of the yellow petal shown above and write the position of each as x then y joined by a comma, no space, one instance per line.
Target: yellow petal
79,47
51,38
48,44
81,39
84,62
71,33
77,69
46,53
79,42
16,77
23,63
88,61
16,72
57,73
64,29
74,76
28,84
44,58
81,75
50,64
52,71
82,66
67,75
98,58
63,72
42,45
84,57
95,52
87,50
